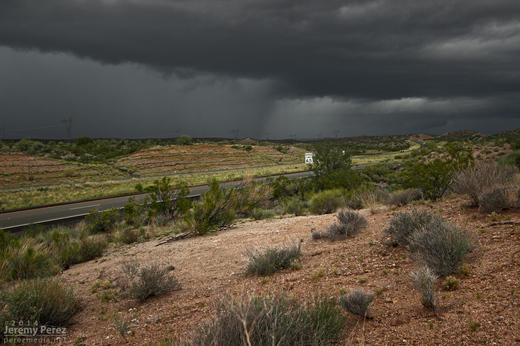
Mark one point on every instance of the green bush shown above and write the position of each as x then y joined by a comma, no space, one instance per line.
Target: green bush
26,261
424,280
216,210
128,236
46,301
404,225
295,205
271,321
329,158
70,248
141,282
272,259
101,221
184,140
434,177
91,247
341,179
512,159
261,214
440,246
357,302
166,199
326,202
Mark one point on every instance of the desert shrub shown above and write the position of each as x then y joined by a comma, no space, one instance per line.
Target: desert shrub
326,202
271,260
356,302
26,261
404,197
424,280
495,200
249,195
184,140
44,300
101,221
283,187
216,210
403,225
261,214
341,179
91,247
295,205
513,158
434,177
349,224
132,212
474,181
166,199
70,248
128,236
271,321
451,283
143,281
440,246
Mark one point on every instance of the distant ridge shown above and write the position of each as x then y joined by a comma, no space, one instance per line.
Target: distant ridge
515,132
465,133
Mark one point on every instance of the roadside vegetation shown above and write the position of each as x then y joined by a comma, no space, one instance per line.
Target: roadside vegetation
31,261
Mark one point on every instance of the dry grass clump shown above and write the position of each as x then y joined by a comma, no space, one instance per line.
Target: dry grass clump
357,302
404,197
349,224
496,200
474,181
271,320
424,280
143,281
272,259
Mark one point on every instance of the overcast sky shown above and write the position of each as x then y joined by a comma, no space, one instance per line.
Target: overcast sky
258,68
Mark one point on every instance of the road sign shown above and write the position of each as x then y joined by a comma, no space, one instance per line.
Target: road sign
308,158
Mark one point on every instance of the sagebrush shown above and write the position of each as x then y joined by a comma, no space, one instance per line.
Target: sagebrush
268,320
272,259
143,281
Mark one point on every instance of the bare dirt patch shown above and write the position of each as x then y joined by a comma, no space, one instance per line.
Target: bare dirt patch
484,310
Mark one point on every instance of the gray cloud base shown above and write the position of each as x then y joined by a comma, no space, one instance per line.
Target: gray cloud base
423,65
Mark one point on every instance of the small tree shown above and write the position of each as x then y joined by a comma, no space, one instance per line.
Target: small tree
329,158
332,167
167,199
434,177
184,140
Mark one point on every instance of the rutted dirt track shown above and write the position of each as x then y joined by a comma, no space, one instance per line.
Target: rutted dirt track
484,310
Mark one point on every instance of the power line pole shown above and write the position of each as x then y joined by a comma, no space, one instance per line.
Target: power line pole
336,132
68,126
293,137
235,133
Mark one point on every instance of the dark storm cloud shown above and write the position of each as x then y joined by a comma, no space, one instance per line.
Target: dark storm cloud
394,66
359,49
